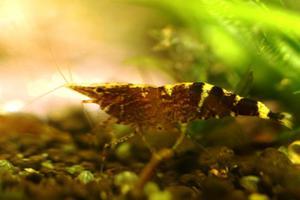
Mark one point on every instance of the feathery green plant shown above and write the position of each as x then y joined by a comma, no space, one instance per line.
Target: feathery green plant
235,35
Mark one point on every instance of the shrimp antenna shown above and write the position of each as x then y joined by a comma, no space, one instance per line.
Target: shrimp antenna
70,73
62,75
57,66
42,95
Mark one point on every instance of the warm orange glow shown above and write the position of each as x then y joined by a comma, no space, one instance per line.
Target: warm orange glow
38,37
12,106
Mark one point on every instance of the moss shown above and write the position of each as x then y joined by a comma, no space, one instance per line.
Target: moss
85,177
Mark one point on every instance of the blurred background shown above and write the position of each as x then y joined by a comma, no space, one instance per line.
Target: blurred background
248,46
90,40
